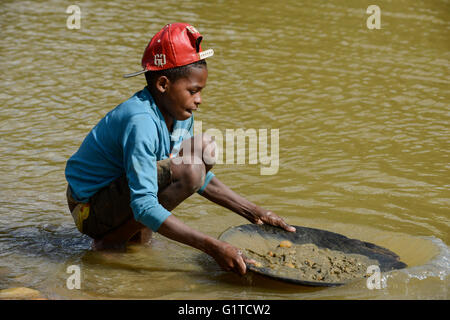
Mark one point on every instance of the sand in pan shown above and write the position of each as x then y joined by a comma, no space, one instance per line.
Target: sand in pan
308,262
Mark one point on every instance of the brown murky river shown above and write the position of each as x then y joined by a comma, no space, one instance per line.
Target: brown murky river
362,115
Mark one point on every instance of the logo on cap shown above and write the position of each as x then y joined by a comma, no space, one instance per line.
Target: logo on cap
160,59
192,29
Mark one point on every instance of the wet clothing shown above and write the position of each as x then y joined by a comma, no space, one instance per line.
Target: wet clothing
128,142
109,208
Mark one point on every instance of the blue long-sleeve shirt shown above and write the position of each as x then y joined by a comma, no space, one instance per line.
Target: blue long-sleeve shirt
129,139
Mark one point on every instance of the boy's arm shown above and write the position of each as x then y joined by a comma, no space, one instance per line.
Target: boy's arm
221,194
227,256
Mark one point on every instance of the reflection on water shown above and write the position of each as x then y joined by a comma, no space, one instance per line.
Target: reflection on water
363,117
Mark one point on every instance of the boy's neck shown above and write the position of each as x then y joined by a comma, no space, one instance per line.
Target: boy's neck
167,117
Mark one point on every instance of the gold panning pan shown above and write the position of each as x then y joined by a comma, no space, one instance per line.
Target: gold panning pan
309,256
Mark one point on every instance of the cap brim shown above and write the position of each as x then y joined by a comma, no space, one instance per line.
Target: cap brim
206,54
134,74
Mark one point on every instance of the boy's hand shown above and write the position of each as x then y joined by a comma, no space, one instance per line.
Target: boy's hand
230,258
262,216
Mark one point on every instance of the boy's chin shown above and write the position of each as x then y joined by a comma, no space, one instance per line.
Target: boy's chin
184,116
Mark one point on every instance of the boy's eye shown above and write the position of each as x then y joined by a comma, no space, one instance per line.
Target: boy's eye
192,92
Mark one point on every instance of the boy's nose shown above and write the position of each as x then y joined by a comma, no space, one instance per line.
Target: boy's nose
198,99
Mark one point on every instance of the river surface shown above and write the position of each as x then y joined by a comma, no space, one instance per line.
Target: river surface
362,118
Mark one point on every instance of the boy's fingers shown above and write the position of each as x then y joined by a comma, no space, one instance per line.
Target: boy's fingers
242,268
288,227
249,261
278,221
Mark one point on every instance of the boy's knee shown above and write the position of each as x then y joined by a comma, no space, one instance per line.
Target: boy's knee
209,149
193,176
201,148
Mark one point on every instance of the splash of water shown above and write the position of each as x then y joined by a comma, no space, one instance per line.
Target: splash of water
438,267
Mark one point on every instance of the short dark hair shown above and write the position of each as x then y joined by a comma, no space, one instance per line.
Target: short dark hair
174,74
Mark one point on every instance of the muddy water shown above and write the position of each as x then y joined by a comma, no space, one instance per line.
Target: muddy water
363,120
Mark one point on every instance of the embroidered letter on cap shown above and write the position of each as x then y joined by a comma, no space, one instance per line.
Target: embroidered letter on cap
160,59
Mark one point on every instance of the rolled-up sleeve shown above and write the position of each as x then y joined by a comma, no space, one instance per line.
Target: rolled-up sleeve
139,145
208,178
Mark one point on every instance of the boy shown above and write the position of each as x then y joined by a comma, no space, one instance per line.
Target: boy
140,161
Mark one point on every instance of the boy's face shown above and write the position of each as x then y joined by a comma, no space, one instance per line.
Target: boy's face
183,96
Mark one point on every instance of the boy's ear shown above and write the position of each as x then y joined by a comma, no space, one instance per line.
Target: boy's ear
162,83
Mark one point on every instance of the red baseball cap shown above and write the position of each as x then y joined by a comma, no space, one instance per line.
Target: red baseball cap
175,45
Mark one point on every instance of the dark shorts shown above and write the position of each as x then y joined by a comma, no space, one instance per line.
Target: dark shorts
110,207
